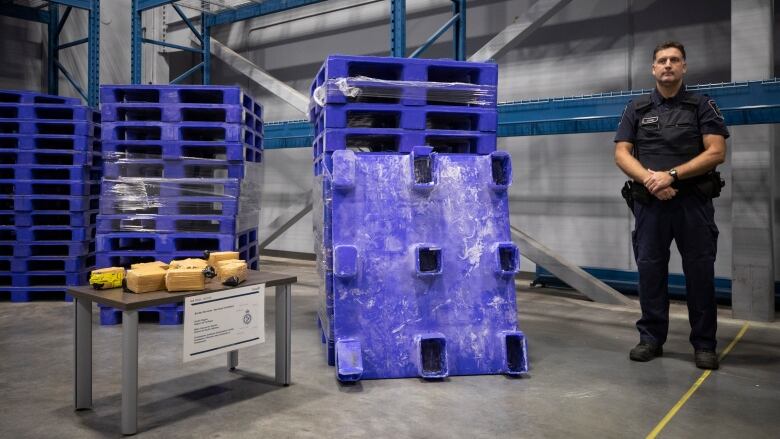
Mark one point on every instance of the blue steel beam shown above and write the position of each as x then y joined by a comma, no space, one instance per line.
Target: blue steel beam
93,54
24,13
435,36
52,49
459,31
742,103
143,5
398,28
252,11
81,4
171,45
136,54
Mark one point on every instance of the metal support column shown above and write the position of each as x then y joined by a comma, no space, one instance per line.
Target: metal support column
129,416
93,49
206,50
398,28
459,29
135,44
52,50
283,345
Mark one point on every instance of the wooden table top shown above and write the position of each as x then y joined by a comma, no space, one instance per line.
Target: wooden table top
117,298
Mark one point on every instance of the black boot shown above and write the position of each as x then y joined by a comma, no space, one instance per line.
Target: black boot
645,351
706,359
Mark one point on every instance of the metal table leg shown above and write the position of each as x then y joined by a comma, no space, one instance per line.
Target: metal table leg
283,333
82,364
232,360
129,372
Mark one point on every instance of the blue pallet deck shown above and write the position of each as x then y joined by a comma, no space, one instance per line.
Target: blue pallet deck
49,187
163,243
403,141
167,188
431,117
407,69
48,218
45,158
46,233
44,263
31,97
167,224
46,142
29,294
142,111
43,279
118,204
182,131
49,112
52,127
172,169
172,314
174,150
46,203
177,94
65,249
46,172
424,289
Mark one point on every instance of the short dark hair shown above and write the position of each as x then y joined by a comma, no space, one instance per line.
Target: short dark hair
669,45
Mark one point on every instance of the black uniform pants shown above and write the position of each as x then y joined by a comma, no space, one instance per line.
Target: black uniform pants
688,218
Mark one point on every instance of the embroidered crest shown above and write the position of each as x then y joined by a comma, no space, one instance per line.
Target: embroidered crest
649,120
715,108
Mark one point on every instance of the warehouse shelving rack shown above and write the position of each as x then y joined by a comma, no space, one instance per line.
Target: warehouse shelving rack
48,13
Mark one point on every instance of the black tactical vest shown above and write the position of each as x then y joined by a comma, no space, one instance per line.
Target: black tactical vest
668,137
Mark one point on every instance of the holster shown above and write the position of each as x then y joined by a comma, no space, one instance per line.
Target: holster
635,192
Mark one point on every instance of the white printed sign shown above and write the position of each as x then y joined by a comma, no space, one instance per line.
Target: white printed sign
223,321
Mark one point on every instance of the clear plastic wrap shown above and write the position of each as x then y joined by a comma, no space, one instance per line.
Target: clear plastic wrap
371,90
176,205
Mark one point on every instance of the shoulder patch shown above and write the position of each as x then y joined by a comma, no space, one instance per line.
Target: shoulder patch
714,106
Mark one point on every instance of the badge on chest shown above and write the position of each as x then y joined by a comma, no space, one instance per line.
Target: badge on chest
650,123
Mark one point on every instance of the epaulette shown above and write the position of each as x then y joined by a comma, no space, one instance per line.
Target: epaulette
642,103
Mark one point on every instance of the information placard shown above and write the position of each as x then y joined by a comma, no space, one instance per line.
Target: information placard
223,321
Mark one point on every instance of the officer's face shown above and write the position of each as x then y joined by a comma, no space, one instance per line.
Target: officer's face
669,66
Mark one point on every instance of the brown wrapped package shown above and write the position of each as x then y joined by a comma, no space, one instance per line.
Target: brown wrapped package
185,279
146,280
232,272
221,256
189,263
142,265
224,263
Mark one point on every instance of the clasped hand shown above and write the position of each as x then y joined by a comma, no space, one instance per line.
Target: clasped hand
659,184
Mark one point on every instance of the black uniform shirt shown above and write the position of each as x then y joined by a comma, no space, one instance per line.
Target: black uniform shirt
710,117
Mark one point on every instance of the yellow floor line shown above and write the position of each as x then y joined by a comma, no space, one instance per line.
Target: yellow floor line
653,434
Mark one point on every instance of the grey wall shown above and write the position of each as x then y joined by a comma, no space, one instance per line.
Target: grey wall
565,190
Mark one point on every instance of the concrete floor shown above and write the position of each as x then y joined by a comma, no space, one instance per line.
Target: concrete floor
581,383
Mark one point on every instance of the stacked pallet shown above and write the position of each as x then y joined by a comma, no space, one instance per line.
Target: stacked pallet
49,184
181,174
412,220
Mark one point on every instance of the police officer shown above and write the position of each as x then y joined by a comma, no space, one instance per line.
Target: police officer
668,143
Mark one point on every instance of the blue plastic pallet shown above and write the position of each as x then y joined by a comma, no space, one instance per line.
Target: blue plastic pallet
163,243
403,141
116,204
167,224
43,263
172,94
65,249
28,294
61,158
172,169
46,233
172,314
48,218
167,188
45,112
31,97
62,128
182,131
433,277
43,279
172,150
49,187
45,142
46,172
144,111
15,203
406,69
431,117
127,258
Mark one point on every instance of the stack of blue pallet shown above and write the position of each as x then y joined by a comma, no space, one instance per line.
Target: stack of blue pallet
181,176
411,220
49,187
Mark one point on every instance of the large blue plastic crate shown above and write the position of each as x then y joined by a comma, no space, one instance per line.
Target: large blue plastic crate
31,97
425,288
